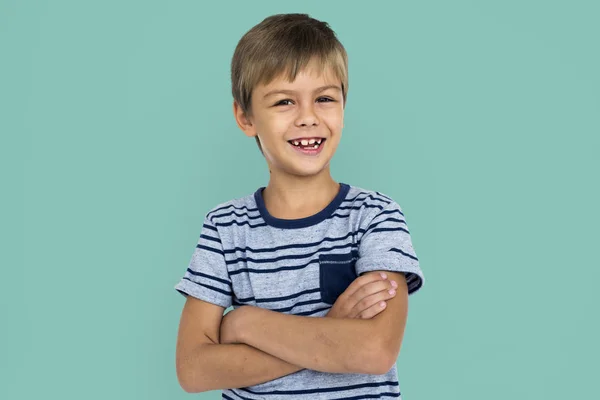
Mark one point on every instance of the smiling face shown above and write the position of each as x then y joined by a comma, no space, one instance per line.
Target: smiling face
299,124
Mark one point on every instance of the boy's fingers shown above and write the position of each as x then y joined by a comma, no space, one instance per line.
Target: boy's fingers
369,289
373,310
368,302
361,281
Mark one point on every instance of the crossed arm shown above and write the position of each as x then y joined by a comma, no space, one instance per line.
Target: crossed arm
255,345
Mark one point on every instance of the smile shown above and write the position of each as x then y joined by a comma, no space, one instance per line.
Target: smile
312,146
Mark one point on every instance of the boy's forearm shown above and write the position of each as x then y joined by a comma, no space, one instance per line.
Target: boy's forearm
227,366
323,344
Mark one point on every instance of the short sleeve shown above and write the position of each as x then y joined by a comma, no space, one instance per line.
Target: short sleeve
386,245
206,277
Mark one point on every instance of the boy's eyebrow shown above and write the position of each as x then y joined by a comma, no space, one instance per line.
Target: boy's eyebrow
317,90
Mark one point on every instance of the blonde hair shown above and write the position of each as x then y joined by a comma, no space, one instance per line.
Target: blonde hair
284,44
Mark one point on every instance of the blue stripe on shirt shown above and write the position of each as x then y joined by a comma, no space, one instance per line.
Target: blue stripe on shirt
403,253
213,250
225,292
275,299
214,278
326,390
289,256
288,246
269,271
211,238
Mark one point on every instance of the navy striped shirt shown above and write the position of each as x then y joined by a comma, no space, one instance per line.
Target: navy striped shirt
245,256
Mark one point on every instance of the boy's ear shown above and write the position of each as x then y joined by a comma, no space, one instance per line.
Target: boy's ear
243,121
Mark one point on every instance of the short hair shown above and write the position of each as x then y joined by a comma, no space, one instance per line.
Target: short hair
284,43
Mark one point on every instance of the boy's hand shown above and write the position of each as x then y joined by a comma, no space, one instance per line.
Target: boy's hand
364,297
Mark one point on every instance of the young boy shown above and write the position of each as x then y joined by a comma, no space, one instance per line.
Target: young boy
318,272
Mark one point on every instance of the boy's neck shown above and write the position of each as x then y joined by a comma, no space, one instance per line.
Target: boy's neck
293,198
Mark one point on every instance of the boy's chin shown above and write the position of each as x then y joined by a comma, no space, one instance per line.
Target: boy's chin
308,171
302,168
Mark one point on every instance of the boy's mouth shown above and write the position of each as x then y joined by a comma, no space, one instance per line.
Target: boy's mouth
307,143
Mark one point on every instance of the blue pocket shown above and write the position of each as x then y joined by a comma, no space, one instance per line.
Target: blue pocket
336,273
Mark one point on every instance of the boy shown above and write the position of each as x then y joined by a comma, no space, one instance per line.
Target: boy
318,272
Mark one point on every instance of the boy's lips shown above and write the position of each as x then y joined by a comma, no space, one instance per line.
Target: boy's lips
299,139
309,149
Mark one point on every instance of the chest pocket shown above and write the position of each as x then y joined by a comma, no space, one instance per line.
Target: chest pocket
336,273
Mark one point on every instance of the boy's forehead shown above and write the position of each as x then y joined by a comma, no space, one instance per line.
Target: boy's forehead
308,78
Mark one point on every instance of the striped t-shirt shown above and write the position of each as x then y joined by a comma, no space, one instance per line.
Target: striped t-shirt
245,256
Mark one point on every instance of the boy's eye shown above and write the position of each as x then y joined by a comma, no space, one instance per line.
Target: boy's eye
325,99
286,102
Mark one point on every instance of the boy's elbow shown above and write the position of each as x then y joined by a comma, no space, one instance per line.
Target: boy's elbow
191,384
384,360
384,364
187,383
376,359
190,379
186,387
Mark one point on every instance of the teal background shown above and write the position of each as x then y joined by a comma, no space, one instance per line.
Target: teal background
481,118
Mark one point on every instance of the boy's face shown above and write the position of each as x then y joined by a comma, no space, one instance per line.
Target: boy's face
286,115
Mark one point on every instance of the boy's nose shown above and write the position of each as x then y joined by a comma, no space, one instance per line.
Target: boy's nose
307,117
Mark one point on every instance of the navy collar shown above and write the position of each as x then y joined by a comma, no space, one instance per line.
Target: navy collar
300,222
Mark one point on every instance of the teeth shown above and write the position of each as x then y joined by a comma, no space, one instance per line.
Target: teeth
316,146
307,142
